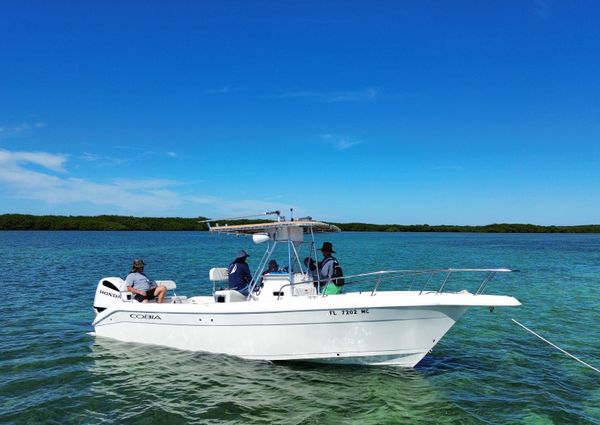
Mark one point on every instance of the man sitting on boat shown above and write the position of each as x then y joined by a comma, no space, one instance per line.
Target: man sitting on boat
330,270
144,288
239,274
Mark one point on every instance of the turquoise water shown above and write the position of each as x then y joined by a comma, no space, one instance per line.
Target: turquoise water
485,370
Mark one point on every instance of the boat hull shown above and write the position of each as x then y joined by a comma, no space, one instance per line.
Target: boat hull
387,335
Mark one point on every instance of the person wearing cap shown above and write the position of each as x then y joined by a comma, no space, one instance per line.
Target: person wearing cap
239,274
326,270
144,288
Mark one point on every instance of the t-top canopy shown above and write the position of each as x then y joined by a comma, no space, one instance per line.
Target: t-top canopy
250,229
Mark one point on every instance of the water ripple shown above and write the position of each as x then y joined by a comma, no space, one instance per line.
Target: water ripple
486,370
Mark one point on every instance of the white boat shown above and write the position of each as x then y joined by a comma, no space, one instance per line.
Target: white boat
287,317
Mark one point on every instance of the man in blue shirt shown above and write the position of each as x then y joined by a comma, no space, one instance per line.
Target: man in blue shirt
239,274
144,288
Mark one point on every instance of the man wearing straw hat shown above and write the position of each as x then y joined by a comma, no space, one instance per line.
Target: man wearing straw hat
143,288
331,285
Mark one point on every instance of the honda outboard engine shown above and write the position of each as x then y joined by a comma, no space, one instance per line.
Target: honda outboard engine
109,293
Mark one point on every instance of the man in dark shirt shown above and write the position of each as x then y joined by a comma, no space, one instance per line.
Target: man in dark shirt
239,274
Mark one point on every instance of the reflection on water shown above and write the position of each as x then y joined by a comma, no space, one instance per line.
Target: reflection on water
139,382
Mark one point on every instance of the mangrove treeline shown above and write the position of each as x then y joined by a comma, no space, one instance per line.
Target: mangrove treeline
100,222
117,222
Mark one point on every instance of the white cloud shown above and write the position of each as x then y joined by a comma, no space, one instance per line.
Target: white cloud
366,95
340,142
172,154
300,94
344,144
133,196
353,96
20,129
74,190
50,161
223,208
101,160
145,184
129,195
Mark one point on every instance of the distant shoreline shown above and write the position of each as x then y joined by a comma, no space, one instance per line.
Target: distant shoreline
124,223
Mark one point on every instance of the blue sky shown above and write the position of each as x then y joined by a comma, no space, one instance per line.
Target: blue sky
440,112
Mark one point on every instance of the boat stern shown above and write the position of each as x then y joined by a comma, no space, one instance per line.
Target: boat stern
110,292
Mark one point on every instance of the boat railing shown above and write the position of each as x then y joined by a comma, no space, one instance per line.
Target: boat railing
414,280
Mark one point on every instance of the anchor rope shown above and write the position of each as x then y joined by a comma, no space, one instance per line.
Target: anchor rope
556,346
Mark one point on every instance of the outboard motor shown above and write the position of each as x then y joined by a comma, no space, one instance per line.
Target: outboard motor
109,293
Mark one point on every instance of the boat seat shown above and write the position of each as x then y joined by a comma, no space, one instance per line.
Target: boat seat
229,296
218,274
169,284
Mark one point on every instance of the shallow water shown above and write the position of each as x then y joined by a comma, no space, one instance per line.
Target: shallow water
485,370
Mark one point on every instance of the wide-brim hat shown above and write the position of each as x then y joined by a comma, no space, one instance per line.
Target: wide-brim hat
327,246
137,264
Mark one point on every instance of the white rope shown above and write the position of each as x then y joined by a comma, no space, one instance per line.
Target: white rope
555,346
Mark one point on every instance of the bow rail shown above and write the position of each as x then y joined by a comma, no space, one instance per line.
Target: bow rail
441,276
